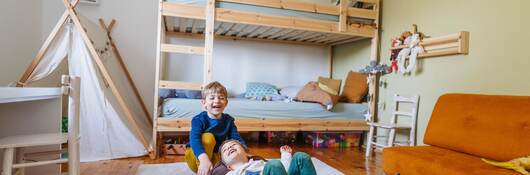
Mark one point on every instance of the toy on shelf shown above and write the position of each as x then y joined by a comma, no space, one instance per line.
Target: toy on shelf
408,49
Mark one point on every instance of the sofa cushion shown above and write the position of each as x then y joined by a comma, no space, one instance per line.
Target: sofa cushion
494,127
421,160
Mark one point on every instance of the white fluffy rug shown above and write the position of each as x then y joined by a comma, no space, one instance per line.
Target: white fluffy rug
182,169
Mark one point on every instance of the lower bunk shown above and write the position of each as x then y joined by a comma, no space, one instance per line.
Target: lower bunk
252,115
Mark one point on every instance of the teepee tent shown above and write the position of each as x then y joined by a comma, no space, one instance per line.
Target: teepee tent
114,122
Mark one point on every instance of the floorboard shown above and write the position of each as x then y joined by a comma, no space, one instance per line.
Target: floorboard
348,161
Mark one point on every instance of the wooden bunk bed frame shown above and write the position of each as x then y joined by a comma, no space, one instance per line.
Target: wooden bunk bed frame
180,20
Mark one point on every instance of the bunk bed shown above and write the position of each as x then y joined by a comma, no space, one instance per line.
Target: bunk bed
276,21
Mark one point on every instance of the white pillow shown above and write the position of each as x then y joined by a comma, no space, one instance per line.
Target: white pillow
290,91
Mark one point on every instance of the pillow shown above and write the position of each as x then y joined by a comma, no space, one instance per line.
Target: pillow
355,88
329,85
192,94
167,93
290,91
255,89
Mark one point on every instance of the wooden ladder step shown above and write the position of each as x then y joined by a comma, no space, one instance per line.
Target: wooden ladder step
179,85
172,48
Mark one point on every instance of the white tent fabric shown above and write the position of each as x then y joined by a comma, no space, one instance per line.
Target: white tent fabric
105,131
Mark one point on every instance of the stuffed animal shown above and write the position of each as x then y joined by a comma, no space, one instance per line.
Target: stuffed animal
412,51
394,53
519,164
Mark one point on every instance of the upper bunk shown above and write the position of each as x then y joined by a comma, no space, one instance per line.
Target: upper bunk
289,21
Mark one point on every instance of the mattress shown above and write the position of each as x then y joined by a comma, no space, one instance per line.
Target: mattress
260,9
243,108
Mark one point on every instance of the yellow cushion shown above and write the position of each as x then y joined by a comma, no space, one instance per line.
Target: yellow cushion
355,88
329,85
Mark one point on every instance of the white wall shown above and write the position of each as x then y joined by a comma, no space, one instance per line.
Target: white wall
134,34
237,62
20,33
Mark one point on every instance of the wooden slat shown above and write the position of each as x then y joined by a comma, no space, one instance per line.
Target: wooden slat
291,34
235,38
246,31
265,124
172,48
258,31
183,24
308,7
319,37
265,33
310,37
301,36
234,16
163,84
347,41
236,29
170,24
281,33
194,25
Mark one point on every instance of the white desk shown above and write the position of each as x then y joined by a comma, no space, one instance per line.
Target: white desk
31,110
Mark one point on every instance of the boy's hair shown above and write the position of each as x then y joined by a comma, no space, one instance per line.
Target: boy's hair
227,141
214,87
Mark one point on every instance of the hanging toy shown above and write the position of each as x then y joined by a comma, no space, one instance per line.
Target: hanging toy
394,53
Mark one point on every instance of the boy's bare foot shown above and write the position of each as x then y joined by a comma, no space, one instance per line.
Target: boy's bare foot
286,148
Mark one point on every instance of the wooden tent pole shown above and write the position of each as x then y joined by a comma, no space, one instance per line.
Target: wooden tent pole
105,73
44,47
122,65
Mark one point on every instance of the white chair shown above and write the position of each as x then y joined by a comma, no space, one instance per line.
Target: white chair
394,125
17,143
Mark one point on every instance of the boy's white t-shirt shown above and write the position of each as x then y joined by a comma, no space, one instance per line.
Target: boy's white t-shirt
255,167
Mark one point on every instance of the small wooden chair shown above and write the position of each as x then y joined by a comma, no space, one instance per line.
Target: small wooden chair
393,125
12,144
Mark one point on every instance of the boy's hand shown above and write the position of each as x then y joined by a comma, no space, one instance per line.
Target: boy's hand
205,164
286,148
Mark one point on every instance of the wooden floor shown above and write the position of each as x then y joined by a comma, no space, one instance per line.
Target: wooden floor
348,161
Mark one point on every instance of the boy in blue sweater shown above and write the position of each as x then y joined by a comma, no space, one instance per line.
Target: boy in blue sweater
209,129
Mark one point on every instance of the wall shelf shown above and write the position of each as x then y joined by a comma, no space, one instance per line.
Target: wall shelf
454,44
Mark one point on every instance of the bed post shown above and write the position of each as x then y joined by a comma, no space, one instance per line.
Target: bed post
374,57
208,41
153,154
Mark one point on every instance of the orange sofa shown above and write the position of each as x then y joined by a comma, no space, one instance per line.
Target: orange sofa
464,128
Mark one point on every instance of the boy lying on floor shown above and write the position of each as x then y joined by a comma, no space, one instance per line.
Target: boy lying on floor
235,157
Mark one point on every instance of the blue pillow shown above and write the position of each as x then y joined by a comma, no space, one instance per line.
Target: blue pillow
260,89
167,93
192,94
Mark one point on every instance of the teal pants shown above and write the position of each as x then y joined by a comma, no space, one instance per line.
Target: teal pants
301,164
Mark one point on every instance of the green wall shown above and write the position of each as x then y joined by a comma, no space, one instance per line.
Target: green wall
498,60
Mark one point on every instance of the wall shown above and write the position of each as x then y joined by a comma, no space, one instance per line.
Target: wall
237,62
20,37
134,34
497,63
